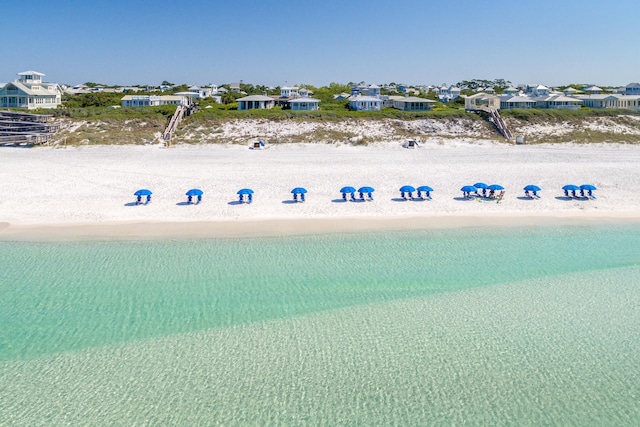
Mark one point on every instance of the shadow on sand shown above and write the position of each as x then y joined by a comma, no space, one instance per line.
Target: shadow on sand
236,202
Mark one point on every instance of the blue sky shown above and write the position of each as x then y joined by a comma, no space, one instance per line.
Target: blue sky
278,42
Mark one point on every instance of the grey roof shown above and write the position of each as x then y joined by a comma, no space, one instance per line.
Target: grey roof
30,73
255,98
510,98
303,99
413,99
365,98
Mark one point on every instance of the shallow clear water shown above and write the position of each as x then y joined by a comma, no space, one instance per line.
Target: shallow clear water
378,328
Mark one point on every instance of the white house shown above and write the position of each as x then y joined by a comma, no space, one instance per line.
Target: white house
481,101
200,92
289,92
631,102
305,104
632,89
412,103
255,102
153,100
593,90
30,92
539,90
559,102
448,94
508,102
365,103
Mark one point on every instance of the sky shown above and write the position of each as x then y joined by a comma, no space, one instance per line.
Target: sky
316,42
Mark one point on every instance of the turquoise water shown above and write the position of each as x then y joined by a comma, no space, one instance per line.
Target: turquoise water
444,326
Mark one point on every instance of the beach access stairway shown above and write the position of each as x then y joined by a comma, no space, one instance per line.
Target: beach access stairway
174,122
25,128
493,115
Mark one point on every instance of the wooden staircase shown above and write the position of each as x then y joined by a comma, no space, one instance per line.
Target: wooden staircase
174,122
494,117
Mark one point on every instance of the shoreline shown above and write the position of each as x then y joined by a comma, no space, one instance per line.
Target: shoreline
273,227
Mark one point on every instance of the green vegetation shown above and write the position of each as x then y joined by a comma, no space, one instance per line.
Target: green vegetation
544,115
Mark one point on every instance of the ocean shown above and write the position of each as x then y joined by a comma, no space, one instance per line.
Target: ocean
477,326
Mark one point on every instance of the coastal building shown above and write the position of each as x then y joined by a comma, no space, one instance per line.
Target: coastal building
630,102
289,92
557,102
511,91
593,90
255,102
412,103
632,89
304,104
200,92
538,90
448,94
365,103
153,100
481,101
30,92
508,102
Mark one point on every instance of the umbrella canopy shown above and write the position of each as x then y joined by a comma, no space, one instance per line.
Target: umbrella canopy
347,190
588,187
245,191
495,187
480,185
469,189
194,192
407,189
571,187
366,190
424,188
298,190
532,187
143,192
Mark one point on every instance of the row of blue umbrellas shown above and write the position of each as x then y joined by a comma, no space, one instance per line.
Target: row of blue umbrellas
408,190
361,192
582,188
405,190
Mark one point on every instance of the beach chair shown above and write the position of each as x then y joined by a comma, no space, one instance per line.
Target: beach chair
249,198
189,199
344,196
139,200
353,197
148,200
199,200
301,197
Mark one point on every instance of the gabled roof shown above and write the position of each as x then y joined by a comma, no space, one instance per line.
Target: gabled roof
303,99
255,98
633,85
413,99
365,98
30,73
516,98
26,88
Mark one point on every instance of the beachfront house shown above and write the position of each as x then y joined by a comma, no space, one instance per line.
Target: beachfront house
304,104
200,92
255,102
365,103
559,102
481,101
537,91
630,102
632,89
509,102
289,92
153,100
30,92
412,103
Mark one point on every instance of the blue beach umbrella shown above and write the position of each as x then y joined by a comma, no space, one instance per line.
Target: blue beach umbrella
424,188
407,189
469,189
532,187
143,192
480,185
366,190
588,187
194,192
570,187
299,190
345,190
495,187
245,191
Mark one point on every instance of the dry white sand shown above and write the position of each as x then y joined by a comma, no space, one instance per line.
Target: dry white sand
89,190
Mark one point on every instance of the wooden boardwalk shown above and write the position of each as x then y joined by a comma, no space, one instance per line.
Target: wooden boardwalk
26,128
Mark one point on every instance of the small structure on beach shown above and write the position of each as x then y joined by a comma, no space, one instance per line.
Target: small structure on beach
143,193
467,190
589,189
407,190
259,102
258,145
194,192
368,191
426,190
411,143
245,192
348,191
533,189
299,191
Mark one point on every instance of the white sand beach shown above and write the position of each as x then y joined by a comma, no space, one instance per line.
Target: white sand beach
78,191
